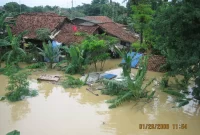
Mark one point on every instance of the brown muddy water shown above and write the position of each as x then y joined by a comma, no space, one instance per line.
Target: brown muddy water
59,111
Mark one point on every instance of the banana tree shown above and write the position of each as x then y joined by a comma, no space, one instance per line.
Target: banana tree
15,54
49,52
75,60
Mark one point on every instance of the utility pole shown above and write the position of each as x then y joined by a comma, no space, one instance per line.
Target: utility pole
20,9
72,9
113,10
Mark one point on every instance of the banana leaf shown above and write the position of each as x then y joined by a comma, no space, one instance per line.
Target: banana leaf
14,132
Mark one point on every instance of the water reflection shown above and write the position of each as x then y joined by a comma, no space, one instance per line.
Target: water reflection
19,110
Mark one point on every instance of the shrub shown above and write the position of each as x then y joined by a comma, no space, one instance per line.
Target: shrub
95,50
10,70
18,86
71,82
36,65
139,47
129,89
49,52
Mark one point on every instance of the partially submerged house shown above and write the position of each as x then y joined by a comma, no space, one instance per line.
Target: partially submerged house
67,34
106,25
63,30
32,21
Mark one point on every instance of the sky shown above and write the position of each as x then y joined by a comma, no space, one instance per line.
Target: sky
60,3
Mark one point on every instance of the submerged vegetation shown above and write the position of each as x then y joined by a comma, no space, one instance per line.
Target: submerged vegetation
75,62
49,53
160,33
18,87
128,88
14,132
71,82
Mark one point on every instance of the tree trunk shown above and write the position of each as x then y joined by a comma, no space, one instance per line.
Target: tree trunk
141,36
95,64
51,65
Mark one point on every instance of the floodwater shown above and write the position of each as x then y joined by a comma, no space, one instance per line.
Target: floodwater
59,111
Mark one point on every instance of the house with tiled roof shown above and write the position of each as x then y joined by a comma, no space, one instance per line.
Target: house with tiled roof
106,25
62,28
32,21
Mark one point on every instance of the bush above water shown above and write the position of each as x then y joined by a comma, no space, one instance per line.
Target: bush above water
18,87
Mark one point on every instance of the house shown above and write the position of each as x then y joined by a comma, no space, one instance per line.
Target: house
68,36
32,21
62,29
106,25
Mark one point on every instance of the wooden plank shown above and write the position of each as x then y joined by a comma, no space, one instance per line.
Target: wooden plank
49,78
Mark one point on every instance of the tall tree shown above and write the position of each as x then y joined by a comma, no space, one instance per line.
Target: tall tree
12,7
142,15
177,32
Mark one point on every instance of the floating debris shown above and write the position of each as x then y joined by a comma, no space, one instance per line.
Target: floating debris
92,91
45,77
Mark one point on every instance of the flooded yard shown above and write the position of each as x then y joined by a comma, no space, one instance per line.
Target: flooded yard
59,111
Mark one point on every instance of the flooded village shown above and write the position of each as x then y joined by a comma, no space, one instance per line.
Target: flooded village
92,74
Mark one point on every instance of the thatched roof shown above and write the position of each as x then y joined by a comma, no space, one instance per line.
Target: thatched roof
34,21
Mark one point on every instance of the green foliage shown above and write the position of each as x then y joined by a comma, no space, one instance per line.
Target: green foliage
16,53
139,47
33,93
18,86
36,65
10,70
113,87
196,90
176,28
49,53
2,23
164,82
95,50
2,98
43,34
12,7
127,58
174,93
180,97
71,82
32,53
14,132
182,84
142,15
129,89
183,103
75,62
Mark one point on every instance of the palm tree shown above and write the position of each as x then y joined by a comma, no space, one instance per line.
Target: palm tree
16,53
49,52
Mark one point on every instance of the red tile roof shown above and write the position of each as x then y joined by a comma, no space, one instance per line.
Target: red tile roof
117,31
67,35
34,21
100,19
